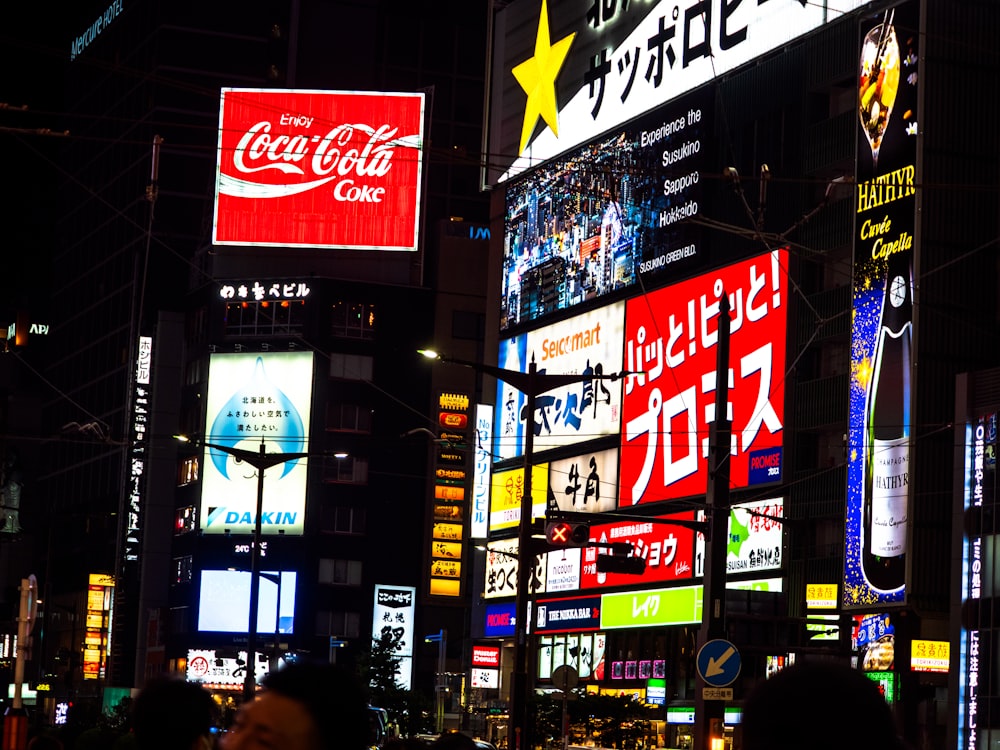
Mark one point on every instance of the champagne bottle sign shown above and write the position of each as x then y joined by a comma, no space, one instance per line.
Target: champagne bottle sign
887,433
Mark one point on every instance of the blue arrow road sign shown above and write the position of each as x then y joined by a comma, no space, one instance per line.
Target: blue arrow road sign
718,663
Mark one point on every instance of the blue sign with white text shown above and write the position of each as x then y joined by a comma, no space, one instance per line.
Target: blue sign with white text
764,466
578,613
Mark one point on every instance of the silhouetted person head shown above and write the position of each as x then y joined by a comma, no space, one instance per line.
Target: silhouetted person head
303,706
820,705
171,714
44,742
454,741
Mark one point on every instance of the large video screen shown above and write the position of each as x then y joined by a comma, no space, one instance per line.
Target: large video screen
609,214
224,602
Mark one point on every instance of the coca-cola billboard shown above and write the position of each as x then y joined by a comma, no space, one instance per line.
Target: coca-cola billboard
327,169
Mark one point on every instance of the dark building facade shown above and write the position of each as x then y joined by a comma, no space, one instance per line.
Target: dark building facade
767,155
137,303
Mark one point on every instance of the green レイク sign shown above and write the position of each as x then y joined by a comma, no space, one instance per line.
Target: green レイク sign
652,607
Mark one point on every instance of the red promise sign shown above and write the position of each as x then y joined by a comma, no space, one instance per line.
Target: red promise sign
327,169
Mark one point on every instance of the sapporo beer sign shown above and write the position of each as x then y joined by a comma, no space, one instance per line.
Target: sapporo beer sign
324,169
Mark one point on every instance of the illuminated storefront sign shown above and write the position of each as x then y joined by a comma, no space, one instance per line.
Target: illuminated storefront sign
501,570
506,492
479,523
486,656
880,400
930,656
97,627
671,337
501,620
602,64
874,639
668,551
755,538
564,615
287,157
141,403
652,608
584,652
979,555
450,490
587,483
217,672
277,290
485,678
886,682
99,24
393,617
821,595
588,344
254,399
562,569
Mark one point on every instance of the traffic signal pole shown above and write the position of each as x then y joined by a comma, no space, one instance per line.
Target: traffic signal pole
709,714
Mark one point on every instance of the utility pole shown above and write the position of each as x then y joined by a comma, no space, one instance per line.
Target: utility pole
709,714
532,384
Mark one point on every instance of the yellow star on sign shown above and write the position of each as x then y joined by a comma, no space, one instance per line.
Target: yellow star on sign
537,76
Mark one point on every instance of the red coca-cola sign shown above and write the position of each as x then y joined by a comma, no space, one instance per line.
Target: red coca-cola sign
330,169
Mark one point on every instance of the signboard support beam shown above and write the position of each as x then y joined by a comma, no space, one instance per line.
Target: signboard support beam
709,714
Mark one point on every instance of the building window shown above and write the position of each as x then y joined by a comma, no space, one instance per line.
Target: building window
188,471
265,318
185,520
353,320
348,470
342,520
348,418
340,572
183,567
350,367
339,624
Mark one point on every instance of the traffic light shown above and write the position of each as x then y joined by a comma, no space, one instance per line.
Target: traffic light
564,534
628,564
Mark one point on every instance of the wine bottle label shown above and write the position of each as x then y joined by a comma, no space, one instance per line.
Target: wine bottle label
890,486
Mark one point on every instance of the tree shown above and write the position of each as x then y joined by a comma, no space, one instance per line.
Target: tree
379,670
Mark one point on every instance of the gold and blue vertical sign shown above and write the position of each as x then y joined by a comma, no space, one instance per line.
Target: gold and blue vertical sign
877,536
451,495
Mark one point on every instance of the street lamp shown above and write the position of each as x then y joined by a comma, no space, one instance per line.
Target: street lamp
532,384
260,461
440,683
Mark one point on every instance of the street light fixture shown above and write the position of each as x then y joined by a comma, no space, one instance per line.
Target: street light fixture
260,461
440,683
532,384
